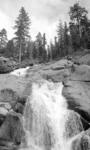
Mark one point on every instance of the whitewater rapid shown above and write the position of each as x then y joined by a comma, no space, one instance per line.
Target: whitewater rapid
47,122
20,72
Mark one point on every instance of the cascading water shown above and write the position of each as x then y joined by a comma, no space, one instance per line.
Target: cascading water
20,72
48,124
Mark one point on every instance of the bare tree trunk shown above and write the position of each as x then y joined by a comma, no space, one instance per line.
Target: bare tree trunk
20,51
51,55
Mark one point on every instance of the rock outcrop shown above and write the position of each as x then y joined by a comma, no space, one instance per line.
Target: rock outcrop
77,91
11,111
73,125
81,142
11,131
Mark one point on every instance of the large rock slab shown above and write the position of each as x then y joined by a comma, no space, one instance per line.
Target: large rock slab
85,59
56,75
80,73
77,90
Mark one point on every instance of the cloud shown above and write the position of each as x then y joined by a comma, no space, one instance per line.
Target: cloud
43,27
49,10
6,23
44,14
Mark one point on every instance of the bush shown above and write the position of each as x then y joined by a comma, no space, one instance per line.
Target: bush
6,65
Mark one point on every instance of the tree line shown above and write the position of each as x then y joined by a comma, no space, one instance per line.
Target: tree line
70,38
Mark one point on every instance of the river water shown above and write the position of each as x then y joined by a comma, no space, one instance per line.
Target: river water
48,123
20,72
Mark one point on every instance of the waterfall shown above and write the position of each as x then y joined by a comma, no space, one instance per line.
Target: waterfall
48,124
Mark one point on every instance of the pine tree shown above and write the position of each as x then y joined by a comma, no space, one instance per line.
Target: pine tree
34,51
44,40
76,14
51,50
60,33
39,46
48,52
44,47
10,49
22,31
66,39
56,47
3,38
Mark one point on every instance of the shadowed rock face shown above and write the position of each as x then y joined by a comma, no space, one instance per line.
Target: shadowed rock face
85,142
11,130
19,108
2,119
81,142
6,65
77,92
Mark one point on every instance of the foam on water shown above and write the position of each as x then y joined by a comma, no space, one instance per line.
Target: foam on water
20,72
45,114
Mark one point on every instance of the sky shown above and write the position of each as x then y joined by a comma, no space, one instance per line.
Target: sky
44,14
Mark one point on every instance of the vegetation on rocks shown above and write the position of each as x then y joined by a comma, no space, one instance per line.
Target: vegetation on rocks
7,65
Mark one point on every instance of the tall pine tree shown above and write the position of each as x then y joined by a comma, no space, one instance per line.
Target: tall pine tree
22,25
3,38
60,33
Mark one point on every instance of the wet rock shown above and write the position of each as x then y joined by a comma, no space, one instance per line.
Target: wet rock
76,145
85,142
20,104
2,119
87,132
11,130
81,142
19,108
73,125
22,100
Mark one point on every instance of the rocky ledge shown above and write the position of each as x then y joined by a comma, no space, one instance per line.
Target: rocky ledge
11,112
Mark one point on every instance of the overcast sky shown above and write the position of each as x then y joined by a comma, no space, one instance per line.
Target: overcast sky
44,14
